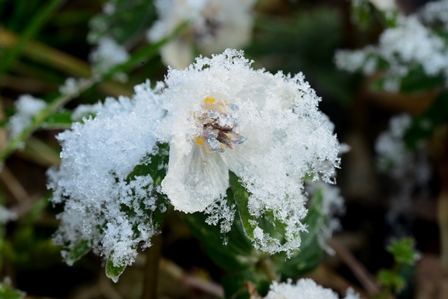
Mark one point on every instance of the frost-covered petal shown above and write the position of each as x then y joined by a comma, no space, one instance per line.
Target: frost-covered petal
192,184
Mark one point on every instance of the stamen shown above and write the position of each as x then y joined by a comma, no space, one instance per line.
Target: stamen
219,126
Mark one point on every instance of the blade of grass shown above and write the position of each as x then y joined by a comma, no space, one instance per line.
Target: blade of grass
36,23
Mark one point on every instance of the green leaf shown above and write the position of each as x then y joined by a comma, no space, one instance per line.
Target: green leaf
424,125
241,198
112,271
389,278
235,284
403,251
82,248
58,120
418,81
237,254
8,292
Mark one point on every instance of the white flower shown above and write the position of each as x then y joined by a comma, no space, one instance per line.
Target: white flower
27,107
304,289
224,116
213,26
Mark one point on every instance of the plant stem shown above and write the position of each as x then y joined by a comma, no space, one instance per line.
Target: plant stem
150,277
442,215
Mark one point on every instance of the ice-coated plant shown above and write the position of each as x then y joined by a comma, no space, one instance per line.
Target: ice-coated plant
212,27
27,107
218,137
304,288
410,50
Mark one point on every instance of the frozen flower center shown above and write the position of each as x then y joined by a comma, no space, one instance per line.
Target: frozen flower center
219,126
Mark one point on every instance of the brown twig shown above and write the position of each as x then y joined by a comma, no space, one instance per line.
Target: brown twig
367,280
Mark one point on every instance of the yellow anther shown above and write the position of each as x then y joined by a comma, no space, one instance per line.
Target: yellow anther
200,140
209,100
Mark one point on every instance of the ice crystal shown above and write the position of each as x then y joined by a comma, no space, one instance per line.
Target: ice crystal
27,107
86,110
268,132
213,26
304,288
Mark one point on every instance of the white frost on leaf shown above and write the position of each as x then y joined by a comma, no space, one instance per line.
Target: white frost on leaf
435,12
213,26
27,107
332,206
304,288
223,116
403,47
100,205
85,110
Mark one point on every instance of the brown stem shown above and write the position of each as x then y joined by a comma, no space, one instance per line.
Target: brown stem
150,277
367,280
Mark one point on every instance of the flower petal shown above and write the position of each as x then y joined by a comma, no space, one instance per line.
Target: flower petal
193,183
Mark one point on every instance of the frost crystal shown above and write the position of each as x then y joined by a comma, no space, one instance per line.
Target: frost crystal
224,116
107,55
86,110
404,47
26,108
101,205
304,289
213,26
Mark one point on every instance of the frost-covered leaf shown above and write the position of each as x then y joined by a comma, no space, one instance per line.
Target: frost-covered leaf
113,271
231,251
81,249
310,253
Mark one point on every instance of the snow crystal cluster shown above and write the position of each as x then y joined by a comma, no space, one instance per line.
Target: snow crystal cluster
27,107
332,205
101,205
218,115
304,288
436,12
408,45
408,168
213,26
107,55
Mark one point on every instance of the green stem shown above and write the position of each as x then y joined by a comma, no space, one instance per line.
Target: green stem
150,276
